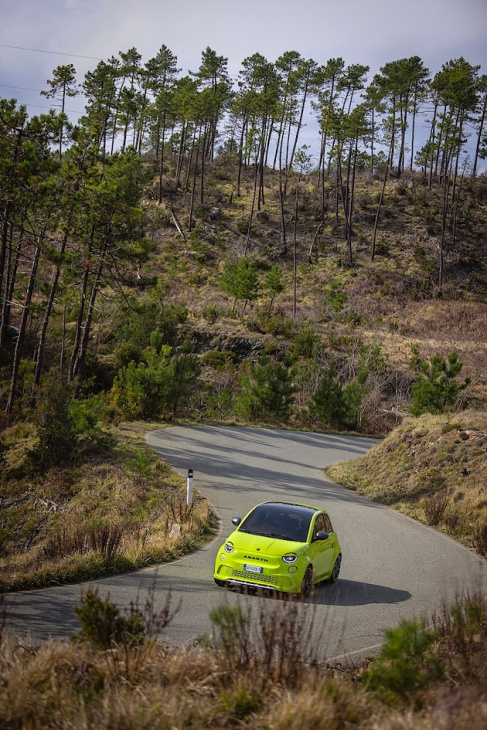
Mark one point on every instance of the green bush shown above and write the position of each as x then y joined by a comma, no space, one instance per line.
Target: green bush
218,359
211,313
328,402
268,390
55,427
220,403
336,297
305,343
103,627
240,280
435,388
85,416
125,353
277,324
340,406
159,386
406,663
139,319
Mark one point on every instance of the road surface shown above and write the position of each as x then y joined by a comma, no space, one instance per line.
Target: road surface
393,567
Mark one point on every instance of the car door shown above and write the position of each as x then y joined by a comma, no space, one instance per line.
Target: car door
332,545
322,552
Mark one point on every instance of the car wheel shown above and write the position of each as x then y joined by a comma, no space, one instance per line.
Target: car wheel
336,569
220,583
307,583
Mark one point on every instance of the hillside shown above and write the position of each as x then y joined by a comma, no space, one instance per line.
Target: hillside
433,469
356,328
342,313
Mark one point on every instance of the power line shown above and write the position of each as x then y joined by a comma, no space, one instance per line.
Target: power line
22,88
76,55
53,53
40,106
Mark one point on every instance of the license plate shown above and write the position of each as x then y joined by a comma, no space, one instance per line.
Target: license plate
254,568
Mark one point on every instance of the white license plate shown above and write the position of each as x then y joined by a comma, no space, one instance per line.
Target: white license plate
254,568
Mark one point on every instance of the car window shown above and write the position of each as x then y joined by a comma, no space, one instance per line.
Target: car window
319,525
328,527
279,521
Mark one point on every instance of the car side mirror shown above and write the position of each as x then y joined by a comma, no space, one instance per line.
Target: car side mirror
236,521
322,535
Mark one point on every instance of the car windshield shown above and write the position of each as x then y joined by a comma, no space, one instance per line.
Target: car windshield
281,521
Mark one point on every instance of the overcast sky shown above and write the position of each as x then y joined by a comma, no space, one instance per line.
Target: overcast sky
370,32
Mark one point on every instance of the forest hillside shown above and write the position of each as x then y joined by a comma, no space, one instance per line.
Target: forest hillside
179,253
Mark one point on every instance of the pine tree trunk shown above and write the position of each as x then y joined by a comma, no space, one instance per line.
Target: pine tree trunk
80,359
240,157
379,205
295,256
3,278
300,122
47,315
23,325
479,139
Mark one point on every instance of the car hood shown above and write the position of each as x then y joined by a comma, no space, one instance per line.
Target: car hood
263,545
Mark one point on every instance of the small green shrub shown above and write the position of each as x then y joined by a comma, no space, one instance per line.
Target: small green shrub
218,359
102,625
57,437
125,353
406,663
382,248
277,324
211,313
305,343
268,391
436,388
141,464
336,297
105,627
85,416
451,427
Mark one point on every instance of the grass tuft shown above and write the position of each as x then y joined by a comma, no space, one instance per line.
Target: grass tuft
430,471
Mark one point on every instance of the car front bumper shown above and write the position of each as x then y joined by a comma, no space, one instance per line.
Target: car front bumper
281,580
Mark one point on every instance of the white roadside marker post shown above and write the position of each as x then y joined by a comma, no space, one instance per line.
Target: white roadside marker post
189,487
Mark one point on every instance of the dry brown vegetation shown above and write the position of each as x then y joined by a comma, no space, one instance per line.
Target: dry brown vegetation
111,513
430,676
391,301
432,468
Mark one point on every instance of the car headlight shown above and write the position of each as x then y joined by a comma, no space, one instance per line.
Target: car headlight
229,547
290,558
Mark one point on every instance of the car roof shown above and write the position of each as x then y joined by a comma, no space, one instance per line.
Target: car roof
304,509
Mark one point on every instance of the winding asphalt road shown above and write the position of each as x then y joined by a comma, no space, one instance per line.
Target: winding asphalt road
393,567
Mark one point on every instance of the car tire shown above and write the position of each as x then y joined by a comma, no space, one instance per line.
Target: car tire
336,569
220,583
307,583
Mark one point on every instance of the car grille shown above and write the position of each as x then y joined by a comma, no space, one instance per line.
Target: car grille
282,581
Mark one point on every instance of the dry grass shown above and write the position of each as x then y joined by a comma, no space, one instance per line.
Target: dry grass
147,685
112,514
433,468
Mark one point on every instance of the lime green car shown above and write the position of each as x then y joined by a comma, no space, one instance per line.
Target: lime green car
282,547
